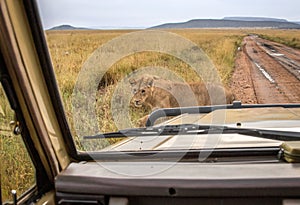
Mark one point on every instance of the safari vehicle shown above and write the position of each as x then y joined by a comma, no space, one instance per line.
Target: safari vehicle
250,157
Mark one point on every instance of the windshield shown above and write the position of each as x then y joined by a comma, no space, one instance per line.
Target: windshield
118,61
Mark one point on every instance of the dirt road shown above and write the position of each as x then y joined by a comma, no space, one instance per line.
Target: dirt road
266,72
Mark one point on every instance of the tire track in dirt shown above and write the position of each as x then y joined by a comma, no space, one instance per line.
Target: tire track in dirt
241,81
286,56
261,78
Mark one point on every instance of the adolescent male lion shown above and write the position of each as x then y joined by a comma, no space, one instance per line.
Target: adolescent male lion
157,93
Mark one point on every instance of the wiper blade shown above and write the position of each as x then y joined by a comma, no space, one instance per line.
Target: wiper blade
189,129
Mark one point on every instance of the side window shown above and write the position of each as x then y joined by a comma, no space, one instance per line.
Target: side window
17,170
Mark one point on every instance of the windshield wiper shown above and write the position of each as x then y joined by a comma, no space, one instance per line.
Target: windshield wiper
189,129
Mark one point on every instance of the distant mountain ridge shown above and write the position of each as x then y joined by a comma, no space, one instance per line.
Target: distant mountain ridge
243,22
226,22
67,27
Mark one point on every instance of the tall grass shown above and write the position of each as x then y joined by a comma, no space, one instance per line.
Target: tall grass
17,170
220,45
288,37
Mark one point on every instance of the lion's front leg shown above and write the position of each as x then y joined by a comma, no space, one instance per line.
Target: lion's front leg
142,121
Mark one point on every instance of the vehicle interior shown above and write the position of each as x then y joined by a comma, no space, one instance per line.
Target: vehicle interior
231,153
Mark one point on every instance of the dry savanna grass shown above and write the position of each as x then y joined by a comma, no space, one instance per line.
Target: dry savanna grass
17,171
288,37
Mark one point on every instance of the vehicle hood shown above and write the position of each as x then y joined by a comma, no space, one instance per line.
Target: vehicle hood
285,119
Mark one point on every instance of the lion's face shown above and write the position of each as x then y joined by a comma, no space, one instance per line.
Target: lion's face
141,89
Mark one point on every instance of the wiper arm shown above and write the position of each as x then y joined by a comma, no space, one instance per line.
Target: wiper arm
154,131
188,129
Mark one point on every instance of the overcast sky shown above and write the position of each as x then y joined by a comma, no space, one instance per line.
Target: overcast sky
141,13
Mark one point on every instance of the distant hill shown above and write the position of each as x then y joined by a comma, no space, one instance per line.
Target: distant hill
222,23
67,27
254,19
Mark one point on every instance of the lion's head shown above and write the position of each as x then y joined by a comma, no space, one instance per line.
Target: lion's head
142,89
